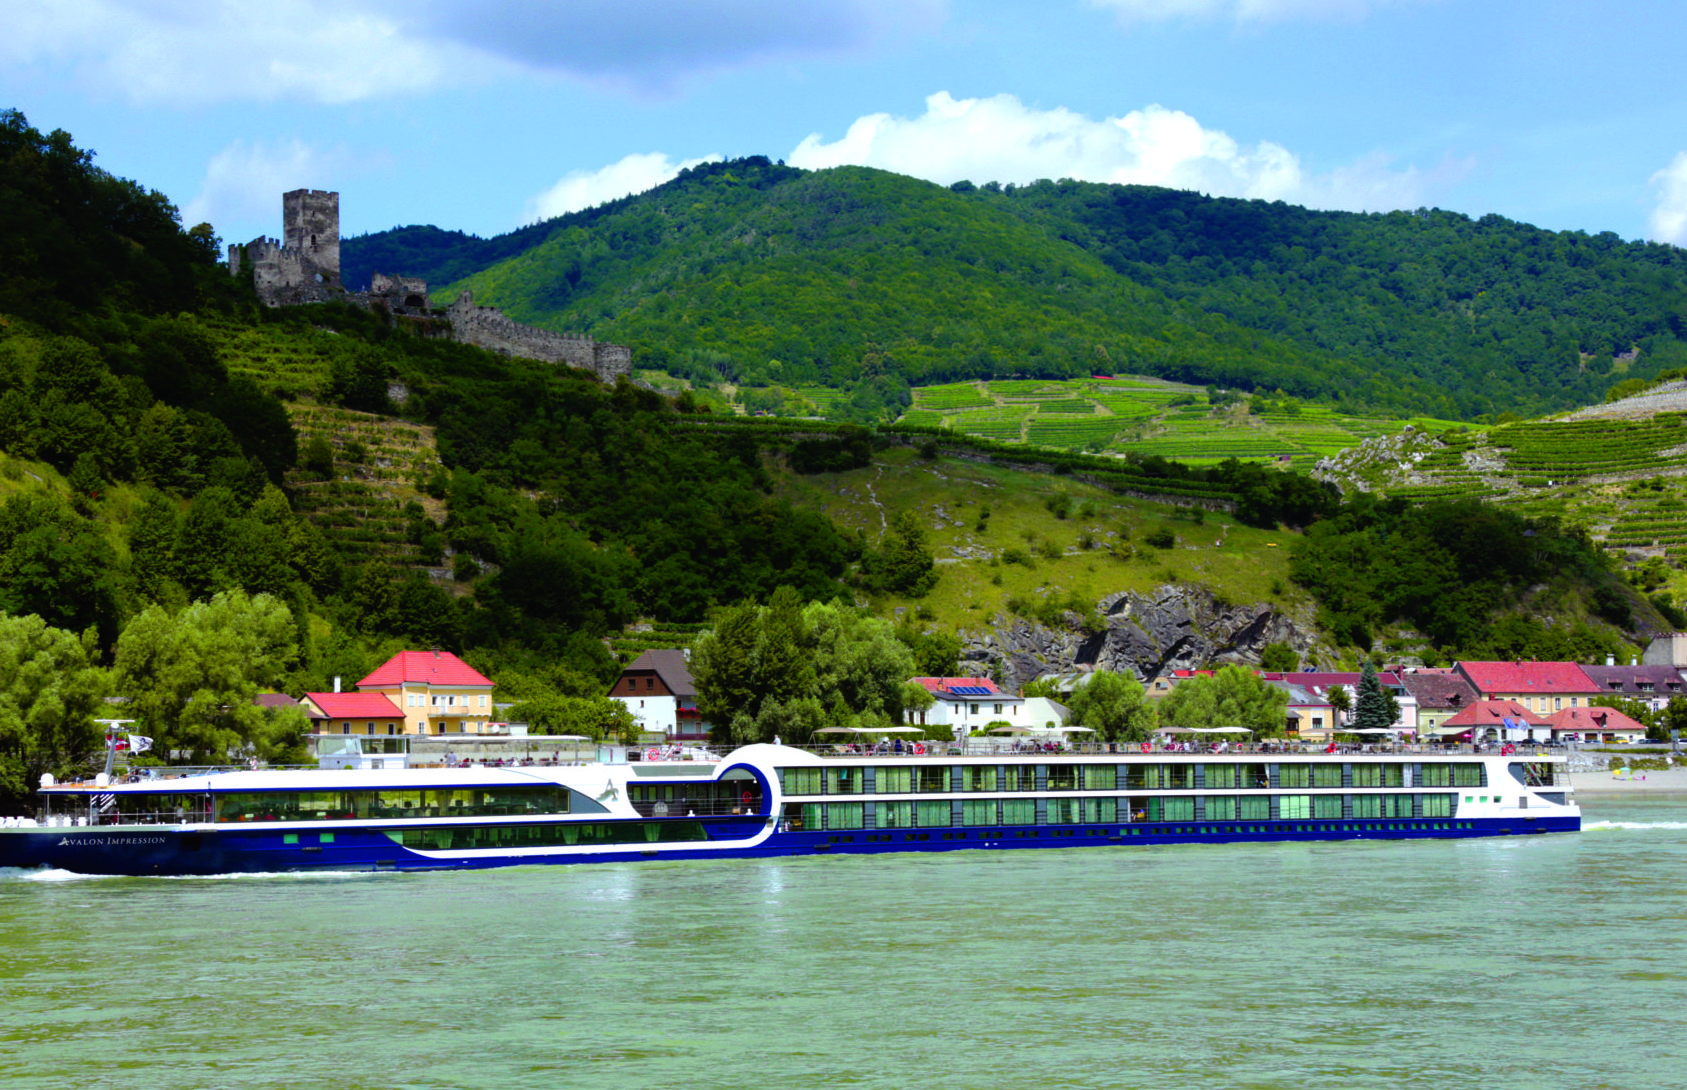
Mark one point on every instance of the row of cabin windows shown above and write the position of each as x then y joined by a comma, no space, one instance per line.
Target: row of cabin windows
817,816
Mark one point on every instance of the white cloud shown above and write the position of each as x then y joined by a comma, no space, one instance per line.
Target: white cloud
1242,11
1001,139
243,184
584,188
1668,222
338,51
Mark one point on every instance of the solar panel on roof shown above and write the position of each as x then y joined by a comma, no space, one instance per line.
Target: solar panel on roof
970,690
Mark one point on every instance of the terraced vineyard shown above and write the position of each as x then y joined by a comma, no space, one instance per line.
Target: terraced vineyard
1144,415
370,508
1622,479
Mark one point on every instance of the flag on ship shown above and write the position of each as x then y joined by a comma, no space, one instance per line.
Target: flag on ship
138,743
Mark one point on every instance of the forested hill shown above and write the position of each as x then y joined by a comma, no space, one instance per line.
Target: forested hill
760,273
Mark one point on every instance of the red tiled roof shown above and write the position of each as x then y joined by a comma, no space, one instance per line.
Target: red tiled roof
1435,691
427,667
1584,719
355,705
1491,713
944,686
1528,677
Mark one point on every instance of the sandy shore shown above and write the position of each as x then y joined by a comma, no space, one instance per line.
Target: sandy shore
1601,783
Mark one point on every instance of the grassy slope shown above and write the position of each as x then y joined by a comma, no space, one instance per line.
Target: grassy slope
1235,560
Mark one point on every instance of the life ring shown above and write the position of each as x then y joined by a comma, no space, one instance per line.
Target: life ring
653,754
746,799
1145,747
919,749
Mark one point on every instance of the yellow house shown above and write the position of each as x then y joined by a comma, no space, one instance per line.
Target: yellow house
436,692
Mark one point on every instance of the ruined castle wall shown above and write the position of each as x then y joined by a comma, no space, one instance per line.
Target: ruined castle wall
488,328
611,361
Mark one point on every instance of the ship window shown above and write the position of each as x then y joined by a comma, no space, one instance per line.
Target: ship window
800,781
844,781
1383,775
1221,775
1253,808
1064,812
845,815
979,777
1435,775
507,837
1170,809
1326,807
1019,778
1294,775
1099,809
978,812
895,815
1294,807
1100,777
1221,808
1438,805
1063,778
891,781
1467,775
1019,811
1326,775
932,780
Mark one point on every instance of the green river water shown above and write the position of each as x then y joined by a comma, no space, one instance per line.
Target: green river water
1509,964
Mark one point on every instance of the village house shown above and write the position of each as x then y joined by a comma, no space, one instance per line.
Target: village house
657,688
1309,715
1497,721
968,704
1319,684
435,692
1596,724
1542,687
1440,695
353,713
1650,685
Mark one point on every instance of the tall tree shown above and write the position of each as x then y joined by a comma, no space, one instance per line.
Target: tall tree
1371,707
1233,697
1115,706
191,677
50,691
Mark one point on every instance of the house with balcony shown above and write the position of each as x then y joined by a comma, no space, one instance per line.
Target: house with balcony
435,692
657,688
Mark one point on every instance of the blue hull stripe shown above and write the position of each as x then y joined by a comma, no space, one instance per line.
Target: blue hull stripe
169,851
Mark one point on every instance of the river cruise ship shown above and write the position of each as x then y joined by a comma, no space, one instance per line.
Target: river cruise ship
774,800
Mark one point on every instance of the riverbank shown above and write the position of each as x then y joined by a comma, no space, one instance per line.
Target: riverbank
1621,782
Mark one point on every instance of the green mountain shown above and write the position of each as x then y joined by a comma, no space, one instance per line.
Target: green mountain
761,274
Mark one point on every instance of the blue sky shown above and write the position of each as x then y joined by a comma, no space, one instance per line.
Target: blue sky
1569,114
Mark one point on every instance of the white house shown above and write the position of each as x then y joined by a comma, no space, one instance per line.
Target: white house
969,704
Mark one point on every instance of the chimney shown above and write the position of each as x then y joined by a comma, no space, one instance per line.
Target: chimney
1634,660
1610,660
336,684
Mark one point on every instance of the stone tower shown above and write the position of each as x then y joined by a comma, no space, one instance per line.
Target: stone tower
311,225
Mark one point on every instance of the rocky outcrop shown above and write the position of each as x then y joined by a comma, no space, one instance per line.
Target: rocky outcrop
1180,626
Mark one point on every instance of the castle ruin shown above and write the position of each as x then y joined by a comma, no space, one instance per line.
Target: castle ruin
304,267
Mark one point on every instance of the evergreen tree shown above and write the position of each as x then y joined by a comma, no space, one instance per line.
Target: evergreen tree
1371,708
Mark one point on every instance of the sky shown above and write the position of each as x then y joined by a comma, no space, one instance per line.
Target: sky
1567,114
